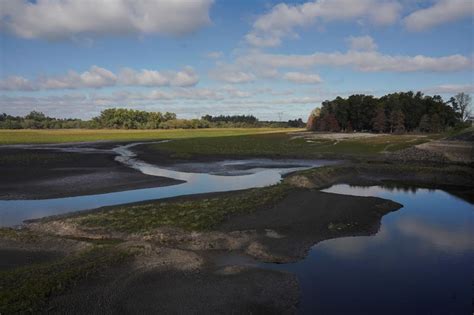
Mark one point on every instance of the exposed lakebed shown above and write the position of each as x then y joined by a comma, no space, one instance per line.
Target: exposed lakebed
195,178
419,260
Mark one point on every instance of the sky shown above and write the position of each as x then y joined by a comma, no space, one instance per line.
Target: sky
272,59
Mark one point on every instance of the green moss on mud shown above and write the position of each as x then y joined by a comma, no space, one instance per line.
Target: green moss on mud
195,214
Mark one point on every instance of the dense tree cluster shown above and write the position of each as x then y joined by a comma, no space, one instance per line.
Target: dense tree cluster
121,118
37,120
396,113
247,119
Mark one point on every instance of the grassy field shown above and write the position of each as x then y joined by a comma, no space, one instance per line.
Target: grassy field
83,135
283,144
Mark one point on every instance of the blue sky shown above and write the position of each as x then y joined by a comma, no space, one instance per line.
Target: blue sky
75,58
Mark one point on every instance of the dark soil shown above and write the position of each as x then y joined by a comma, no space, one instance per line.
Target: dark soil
47,173
307,217
15,258
240,291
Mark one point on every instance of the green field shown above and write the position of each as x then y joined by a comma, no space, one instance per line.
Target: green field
83,135
288,145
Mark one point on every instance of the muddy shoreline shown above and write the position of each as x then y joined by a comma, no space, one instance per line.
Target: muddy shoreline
48,173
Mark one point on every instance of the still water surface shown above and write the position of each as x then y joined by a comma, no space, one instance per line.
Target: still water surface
420,262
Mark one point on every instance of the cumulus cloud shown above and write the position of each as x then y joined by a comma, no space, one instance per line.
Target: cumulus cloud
186,77
57,19
368,61
97,77
231,74
16,83
270,28
304,78
443,11
362,43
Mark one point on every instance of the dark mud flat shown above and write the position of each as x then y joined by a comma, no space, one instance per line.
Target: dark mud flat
307,217
15,258
48,173
237,290
175,271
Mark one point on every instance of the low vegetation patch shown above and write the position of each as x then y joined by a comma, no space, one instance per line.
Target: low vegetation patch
199,214
26,289
23,235
288,145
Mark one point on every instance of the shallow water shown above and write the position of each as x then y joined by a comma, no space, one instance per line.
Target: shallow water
420,262
212,177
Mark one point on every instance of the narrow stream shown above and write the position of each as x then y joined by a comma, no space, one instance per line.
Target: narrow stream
220,176
420,262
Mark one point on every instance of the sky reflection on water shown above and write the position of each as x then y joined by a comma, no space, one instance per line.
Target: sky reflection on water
420,262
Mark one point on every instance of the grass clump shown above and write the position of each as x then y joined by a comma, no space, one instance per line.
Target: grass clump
26,289
200,214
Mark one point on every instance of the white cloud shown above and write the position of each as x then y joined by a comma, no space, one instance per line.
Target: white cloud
57,19
450,88
304,78
16,83
362,43
368,61
186,77
97,77
443,11
231,74
270,28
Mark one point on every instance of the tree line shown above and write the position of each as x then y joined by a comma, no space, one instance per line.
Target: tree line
394,113
122,118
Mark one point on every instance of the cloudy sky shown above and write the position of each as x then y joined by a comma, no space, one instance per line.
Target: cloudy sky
74,58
